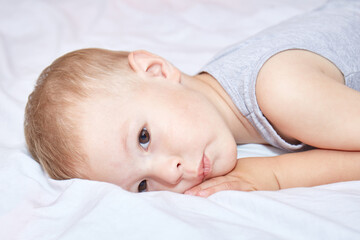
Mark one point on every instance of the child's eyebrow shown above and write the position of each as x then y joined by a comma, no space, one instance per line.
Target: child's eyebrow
124,131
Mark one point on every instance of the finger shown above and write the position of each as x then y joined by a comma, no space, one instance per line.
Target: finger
224,186
194,190
207,184
206,192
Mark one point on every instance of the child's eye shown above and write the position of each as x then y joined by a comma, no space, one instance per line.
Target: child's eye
144,138
142,186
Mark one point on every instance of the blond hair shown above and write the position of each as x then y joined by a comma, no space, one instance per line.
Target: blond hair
50,124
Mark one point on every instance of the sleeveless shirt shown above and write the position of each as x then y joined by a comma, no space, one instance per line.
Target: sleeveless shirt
331,31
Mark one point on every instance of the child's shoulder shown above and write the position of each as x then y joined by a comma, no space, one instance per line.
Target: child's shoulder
297,64
287,89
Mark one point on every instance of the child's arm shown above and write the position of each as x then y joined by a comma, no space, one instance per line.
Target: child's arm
304,169
305,101
317,167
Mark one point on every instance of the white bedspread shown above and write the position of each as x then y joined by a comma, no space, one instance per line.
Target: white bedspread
32,206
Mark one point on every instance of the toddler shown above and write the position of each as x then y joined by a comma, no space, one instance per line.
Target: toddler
135,120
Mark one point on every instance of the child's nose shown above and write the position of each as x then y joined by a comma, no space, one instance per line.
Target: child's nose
170,170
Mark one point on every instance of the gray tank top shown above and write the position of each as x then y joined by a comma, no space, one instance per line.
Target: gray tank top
332,31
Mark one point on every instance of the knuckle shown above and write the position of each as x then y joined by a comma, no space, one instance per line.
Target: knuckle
227,186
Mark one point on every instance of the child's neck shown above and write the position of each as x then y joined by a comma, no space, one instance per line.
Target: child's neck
241,128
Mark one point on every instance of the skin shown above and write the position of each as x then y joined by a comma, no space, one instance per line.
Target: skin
320,111
206,122
185,118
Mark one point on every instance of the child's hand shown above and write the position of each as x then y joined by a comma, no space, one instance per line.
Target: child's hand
213,185
250,174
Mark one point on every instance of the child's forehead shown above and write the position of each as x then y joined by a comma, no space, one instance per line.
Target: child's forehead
104,106
128,98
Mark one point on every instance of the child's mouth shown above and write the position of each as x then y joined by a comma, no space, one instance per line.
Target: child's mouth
204,168
206,165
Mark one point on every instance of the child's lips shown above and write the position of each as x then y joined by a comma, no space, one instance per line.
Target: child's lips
204,168
207,166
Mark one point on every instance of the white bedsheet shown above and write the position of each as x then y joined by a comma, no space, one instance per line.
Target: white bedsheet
32,206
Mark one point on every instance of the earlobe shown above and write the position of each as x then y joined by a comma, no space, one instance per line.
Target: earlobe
144,62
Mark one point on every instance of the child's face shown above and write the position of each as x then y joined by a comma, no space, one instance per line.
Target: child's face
163,138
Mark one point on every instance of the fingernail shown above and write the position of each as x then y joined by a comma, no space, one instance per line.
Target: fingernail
202,194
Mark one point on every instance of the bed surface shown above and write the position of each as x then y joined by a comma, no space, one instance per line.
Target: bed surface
188,33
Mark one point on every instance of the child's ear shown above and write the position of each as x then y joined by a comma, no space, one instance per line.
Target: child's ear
144,62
